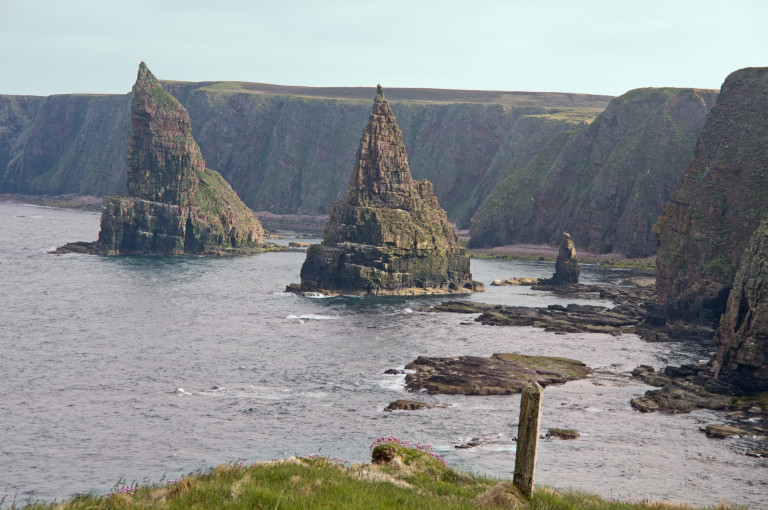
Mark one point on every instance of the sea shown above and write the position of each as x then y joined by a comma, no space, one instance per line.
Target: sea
143,369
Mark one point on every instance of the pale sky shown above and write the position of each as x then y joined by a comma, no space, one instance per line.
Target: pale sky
600,47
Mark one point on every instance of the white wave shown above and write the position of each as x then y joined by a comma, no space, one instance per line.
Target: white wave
312,317
181,391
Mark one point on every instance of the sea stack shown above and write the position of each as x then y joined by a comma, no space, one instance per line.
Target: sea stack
389,234
742,357
175,206
566,265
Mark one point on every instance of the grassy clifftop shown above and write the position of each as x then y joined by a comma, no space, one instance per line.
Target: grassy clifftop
402,475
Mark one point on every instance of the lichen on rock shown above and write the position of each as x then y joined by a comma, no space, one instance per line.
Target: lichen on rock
175,205
389,234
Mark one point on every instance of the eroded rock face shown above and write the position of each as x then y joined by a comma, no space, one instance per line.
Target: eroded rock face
163,158
718,202
389,234
605,183
742,357
567,264
174,205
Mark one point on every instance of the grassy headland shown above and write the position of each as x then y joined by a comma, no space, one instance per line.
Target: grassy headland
402,475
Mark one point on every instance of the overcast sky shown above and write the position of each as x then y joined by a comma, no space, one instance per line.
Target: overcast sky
601,47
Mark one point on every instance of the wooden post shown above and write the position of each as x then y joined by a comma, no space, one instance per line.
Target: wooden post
528,438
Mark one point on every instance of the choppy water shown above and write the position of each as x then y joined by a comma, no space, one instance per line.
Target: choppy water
95,352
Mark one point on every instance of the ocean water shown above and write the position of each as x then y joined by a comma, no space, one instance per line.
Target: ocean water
139,368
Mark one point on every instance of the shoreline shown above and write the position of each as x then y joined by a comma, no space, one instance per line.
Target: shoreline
314,224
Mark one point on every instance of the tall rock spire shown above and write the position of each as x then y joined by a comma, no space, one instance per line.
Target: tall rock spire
389,234
381,177
163,158
175,205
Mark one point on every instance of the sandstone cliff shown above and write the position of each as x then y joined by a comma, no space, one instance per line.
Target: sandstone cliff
389,234
174,204
742,357
280,147
605,183
718,203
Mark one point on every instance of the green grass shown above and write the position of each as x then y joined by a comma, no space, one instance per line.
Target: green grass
412,477
572,115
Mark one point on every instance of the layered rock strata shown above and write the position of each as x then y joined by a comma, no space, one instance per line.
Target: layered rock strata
742,357
718,203
175,205
389,234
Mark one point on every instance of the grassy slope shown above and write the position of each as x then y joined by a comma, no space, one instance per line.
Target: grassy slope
413,477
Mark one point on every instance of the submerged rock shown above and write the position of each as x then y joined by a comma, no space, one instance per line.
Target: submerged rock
501,374
566,434
410,405
174,205
389,234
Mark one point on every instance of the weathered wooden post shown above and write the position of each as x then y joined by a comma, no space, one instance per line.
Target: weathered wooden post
528,439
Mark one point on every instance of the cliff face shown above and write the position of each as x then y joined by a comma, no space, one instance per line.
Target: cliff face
742,357
718,203
389,234
65,144
605,183
174,204
281,147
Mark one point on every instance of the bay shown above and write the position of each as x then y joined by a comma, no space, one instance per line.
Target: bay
139,368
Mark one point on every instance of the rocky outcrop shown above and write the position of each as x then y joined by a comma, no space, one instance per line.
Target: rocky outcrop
742,356
606,183
174,204
389,234
501,374
567,264
718,202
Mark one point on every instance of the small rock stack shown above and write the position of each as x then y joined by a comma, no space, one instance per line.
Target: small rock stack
566,265
389,234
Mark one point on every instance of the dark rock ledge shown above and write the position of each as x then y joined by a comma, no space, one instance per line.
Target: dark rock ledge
501,374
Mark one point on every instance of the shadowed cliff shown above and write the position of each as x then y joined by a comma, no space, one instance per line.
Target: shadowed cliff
606,183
